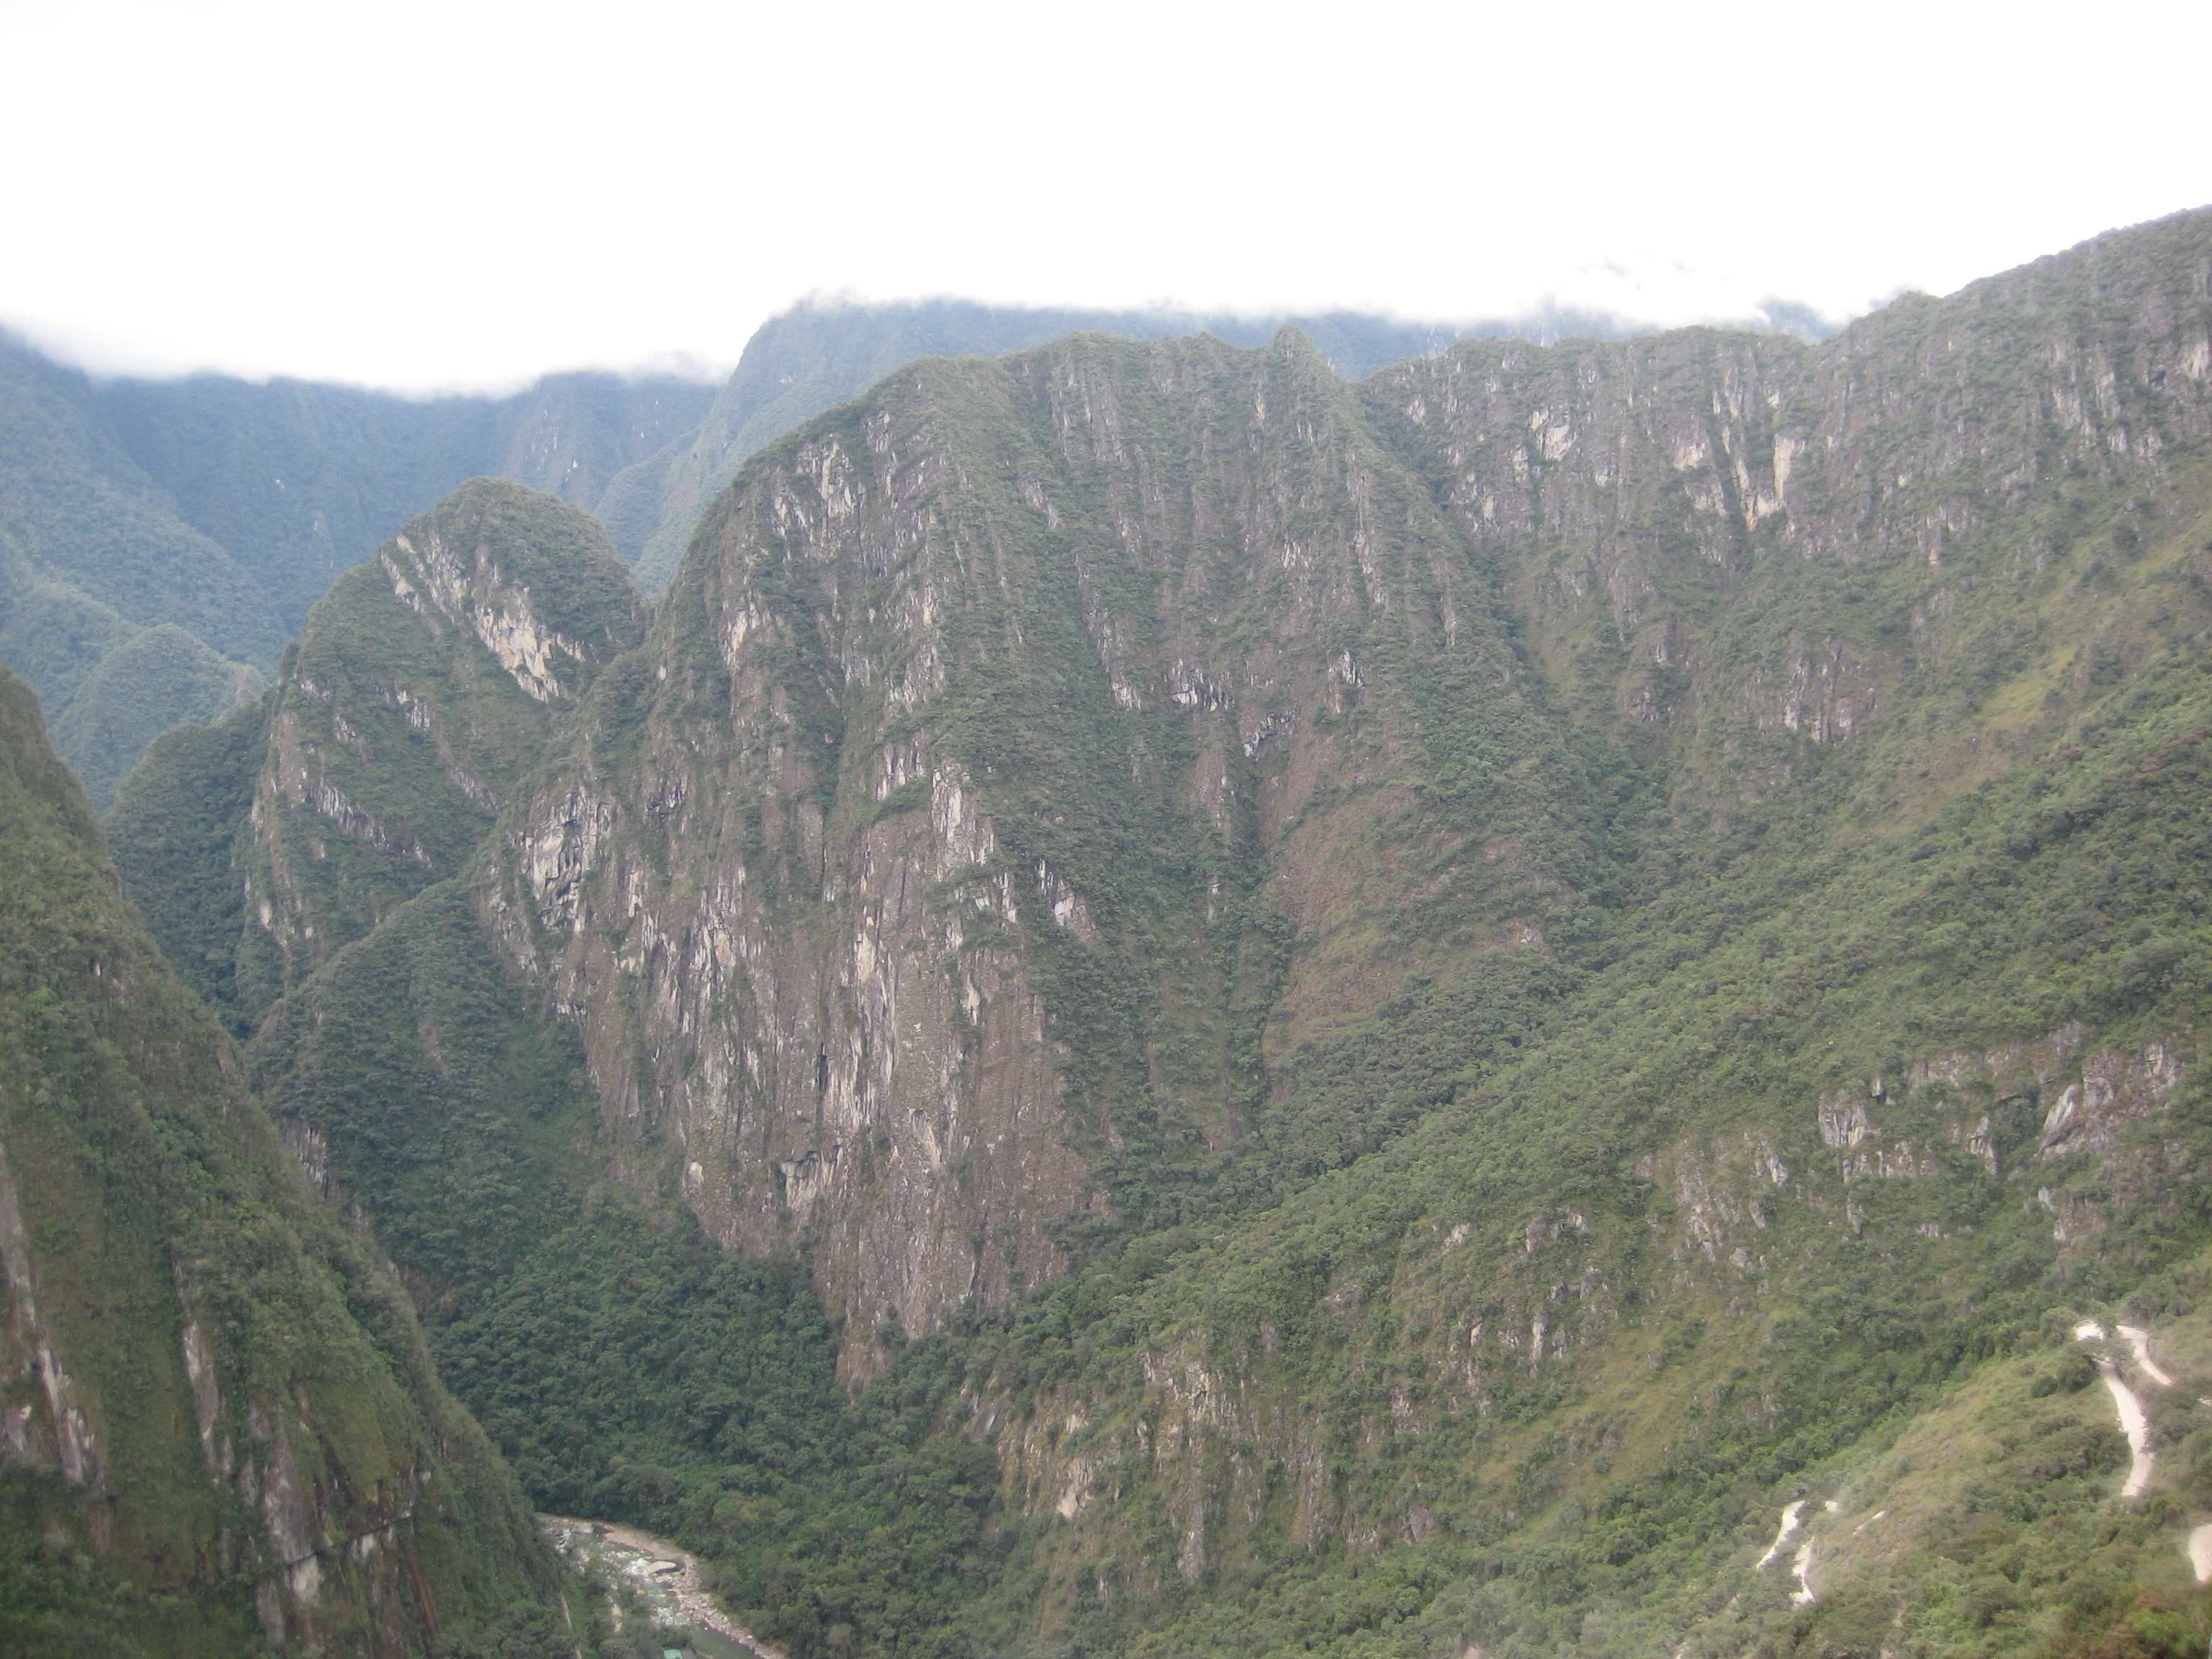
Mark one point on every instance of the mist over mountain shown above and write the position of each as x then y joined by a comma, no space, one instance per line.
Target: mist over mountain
160,541
160,538
1327,989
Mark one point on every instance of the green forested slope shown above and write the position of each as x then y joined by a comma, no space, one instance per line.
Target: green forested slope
80,510
216,505
223,1433
123,618
626,1366
302,481
160,540
174,832
816,356
1563,1351
1383,1017
140,687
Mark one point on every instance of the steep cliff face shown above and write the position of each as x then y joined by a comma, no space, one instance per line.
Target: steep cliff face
1445,993
217,1421
1720,534
820,353
421,692
1002,728
988,729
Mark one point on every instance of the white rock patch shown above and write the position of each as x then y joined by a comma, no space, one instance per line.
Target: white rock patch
1802,1595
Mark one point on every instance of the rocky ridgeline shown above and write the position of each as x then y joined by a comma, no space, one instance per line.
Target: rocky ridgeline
1051,648
1059,788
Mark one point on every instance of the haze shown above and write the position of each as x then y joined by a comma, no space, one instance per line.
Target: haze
423,197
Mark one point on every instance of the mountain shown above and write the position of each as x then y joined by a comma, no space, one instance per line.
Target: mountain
79,510
1548,1002
309,863
160,541
822,353
304,480
119,613
196,520
222,1432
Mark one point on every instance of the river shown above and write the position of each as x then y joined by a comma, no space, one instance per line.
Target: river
666,1575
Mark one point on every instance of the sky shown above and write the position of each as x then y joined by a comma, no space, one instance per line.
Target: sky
463,195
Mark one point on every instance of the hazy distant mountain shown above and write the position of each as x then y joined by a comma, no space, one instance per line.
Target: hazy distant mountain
160,540
301,480
218,510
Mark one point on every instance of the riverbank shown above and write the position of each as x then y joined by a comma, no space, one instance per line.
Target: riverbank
666,1574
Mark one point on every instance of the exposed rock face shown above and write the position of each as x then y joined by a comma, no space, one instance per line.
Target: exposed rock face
2115,1089
940,675
2008,1107
1634,487
1069,667
61,1437
467,587
420,693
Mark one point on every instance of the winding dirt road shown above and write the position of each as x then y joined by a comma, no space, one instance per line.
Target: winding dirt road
2134,1422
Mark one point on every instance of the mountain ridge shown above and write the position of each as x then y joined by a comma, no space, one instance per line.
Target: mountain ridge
222,1434
271,489
1410,1006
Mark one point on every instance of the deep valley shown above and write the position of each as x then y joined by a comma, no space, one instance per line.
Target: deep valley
1133,997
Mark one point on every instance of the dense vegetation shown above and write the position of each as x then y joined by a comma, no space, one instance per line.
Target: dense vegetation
627,1367
159,540
173,829
1628,1093
213,1389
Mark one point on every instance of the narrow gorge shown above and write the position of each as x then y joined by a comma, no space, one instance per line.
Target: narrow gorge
1171,1003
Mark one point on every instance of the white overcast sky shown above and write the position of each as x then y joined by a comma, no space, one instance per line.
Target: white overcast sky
465,194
